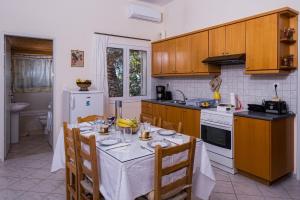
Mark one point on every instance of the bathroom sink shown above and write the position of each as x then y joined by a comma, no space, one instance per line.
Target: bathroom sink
18,107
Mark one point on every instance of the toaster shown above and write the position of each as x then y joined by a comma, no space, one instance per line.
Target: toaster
276,107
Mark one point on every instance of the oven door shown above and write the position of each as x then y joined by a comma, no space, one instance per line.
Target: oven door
216,135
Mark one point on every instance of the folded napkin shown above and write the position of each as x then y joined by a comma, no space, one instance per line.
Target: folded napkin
154,128
175,140
116,146
83,124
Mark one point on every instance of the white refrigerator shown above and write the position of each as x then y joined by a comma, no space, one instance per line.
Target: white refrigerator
81,104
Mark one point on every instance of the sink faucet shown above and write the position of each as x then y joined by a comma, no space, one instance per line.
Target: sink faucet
183,95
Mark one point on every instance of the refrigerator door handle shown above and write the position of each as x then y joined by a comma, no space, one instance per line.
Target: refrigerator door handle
73,102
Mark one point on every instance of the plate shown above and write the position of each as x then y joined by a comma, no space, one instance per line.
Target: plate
166,132
109,141
162,143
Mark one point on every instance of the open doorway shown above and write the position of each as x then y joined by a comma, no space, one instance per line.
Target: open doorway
28,93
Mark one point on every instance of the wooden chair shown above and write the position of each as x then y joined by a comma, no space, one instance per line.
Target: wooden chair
88,176
90,118
171,126
71,164
182,187
150,120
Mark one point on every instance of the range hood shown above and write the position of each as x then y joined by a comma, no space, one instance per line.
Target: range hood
226,59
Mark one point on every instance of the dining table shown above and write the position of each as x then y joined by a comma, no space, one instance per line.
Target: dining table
126,169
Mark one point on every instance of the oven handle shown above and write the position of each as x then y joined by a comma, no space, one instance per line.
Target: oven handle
215,125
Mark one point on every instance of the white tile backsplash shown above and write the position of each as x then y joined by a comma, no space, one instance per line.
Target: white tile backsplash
250,89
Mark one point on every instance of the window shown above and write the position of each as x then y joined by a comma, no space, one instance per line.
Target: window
127,72
137,73
115,71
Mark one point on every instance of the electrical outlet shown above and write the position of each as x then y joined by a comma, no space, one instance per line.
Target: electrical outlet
274,85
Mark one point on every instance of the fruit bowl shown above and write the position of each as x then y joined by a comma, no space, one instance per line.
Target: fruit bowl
83,84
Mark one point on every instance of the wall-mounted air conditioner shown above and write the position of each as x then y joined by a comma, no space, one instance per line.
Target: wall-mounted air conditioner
144,13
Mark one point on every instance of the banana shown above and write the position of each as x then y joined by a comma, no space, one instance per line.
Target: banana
123,125
126,121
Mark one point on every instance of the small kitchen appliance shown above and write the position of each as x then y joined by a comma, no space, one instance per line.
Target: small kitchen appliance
160,92
276,107
168,93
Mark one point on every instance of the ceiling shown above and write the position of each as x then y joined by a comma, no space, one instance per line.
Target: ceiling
158,2
30,45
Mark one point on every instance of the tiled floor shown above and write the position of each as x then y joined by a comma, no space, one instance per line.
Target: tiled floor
238,187
26,175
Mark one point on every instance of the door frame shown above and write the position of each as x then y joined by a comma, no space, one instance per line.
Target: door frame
2,81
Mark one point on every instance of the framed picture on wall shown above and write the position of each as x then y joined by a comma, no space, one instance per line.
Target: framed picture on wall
77,58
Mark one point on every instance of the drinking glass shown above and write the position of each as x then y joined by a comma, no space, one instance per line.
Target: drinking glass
127,135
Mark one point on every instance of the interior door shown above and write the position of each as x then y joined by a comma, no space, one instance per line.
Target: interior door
7,95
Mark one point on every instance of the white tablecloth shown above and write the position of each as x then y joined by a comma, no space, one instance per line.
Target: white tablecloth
134,178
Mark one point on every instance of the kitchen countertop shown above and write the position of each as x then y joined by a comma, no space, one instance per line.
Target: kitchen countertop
263,116
168,103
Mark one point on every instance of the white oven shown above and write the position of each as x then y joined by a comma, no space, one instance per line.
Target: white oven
217,133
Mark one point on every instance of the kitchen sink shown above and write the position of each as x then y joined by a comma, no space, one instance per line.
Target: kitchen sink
178,102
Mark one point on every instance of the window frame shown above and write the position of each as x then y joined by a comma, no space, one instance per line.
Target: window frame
126,64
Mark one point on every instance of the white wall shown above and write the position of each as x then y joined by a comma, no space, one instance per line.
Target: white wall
188,15
37,100
71,23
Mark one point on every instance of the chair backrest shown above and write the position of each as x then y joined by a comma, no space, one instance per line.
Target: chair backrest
89,118
87,166
181,184
151,120
71,164
172,126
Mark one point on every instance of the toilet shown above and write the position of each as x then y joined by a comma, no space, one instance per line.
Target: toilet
43,120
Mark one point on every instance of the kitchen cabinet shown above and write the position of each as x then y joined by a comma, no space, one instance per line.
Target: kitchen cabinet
217,41
191,122
266,46
159,111
235,39
227,40
189,118
183,55
156,58
168,57
261,37
261,43
146,109
263,148
199,51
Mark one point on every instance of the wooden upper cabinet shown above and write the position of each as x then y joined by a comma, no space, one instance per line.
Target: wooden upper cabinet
168,56
183,55
227,40
156,58
235,38
217,41
199,51
262,43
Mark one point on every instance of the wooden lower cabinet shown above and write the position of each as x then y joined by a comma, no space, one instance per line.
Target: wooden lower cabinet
189,118
191,122
264,148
